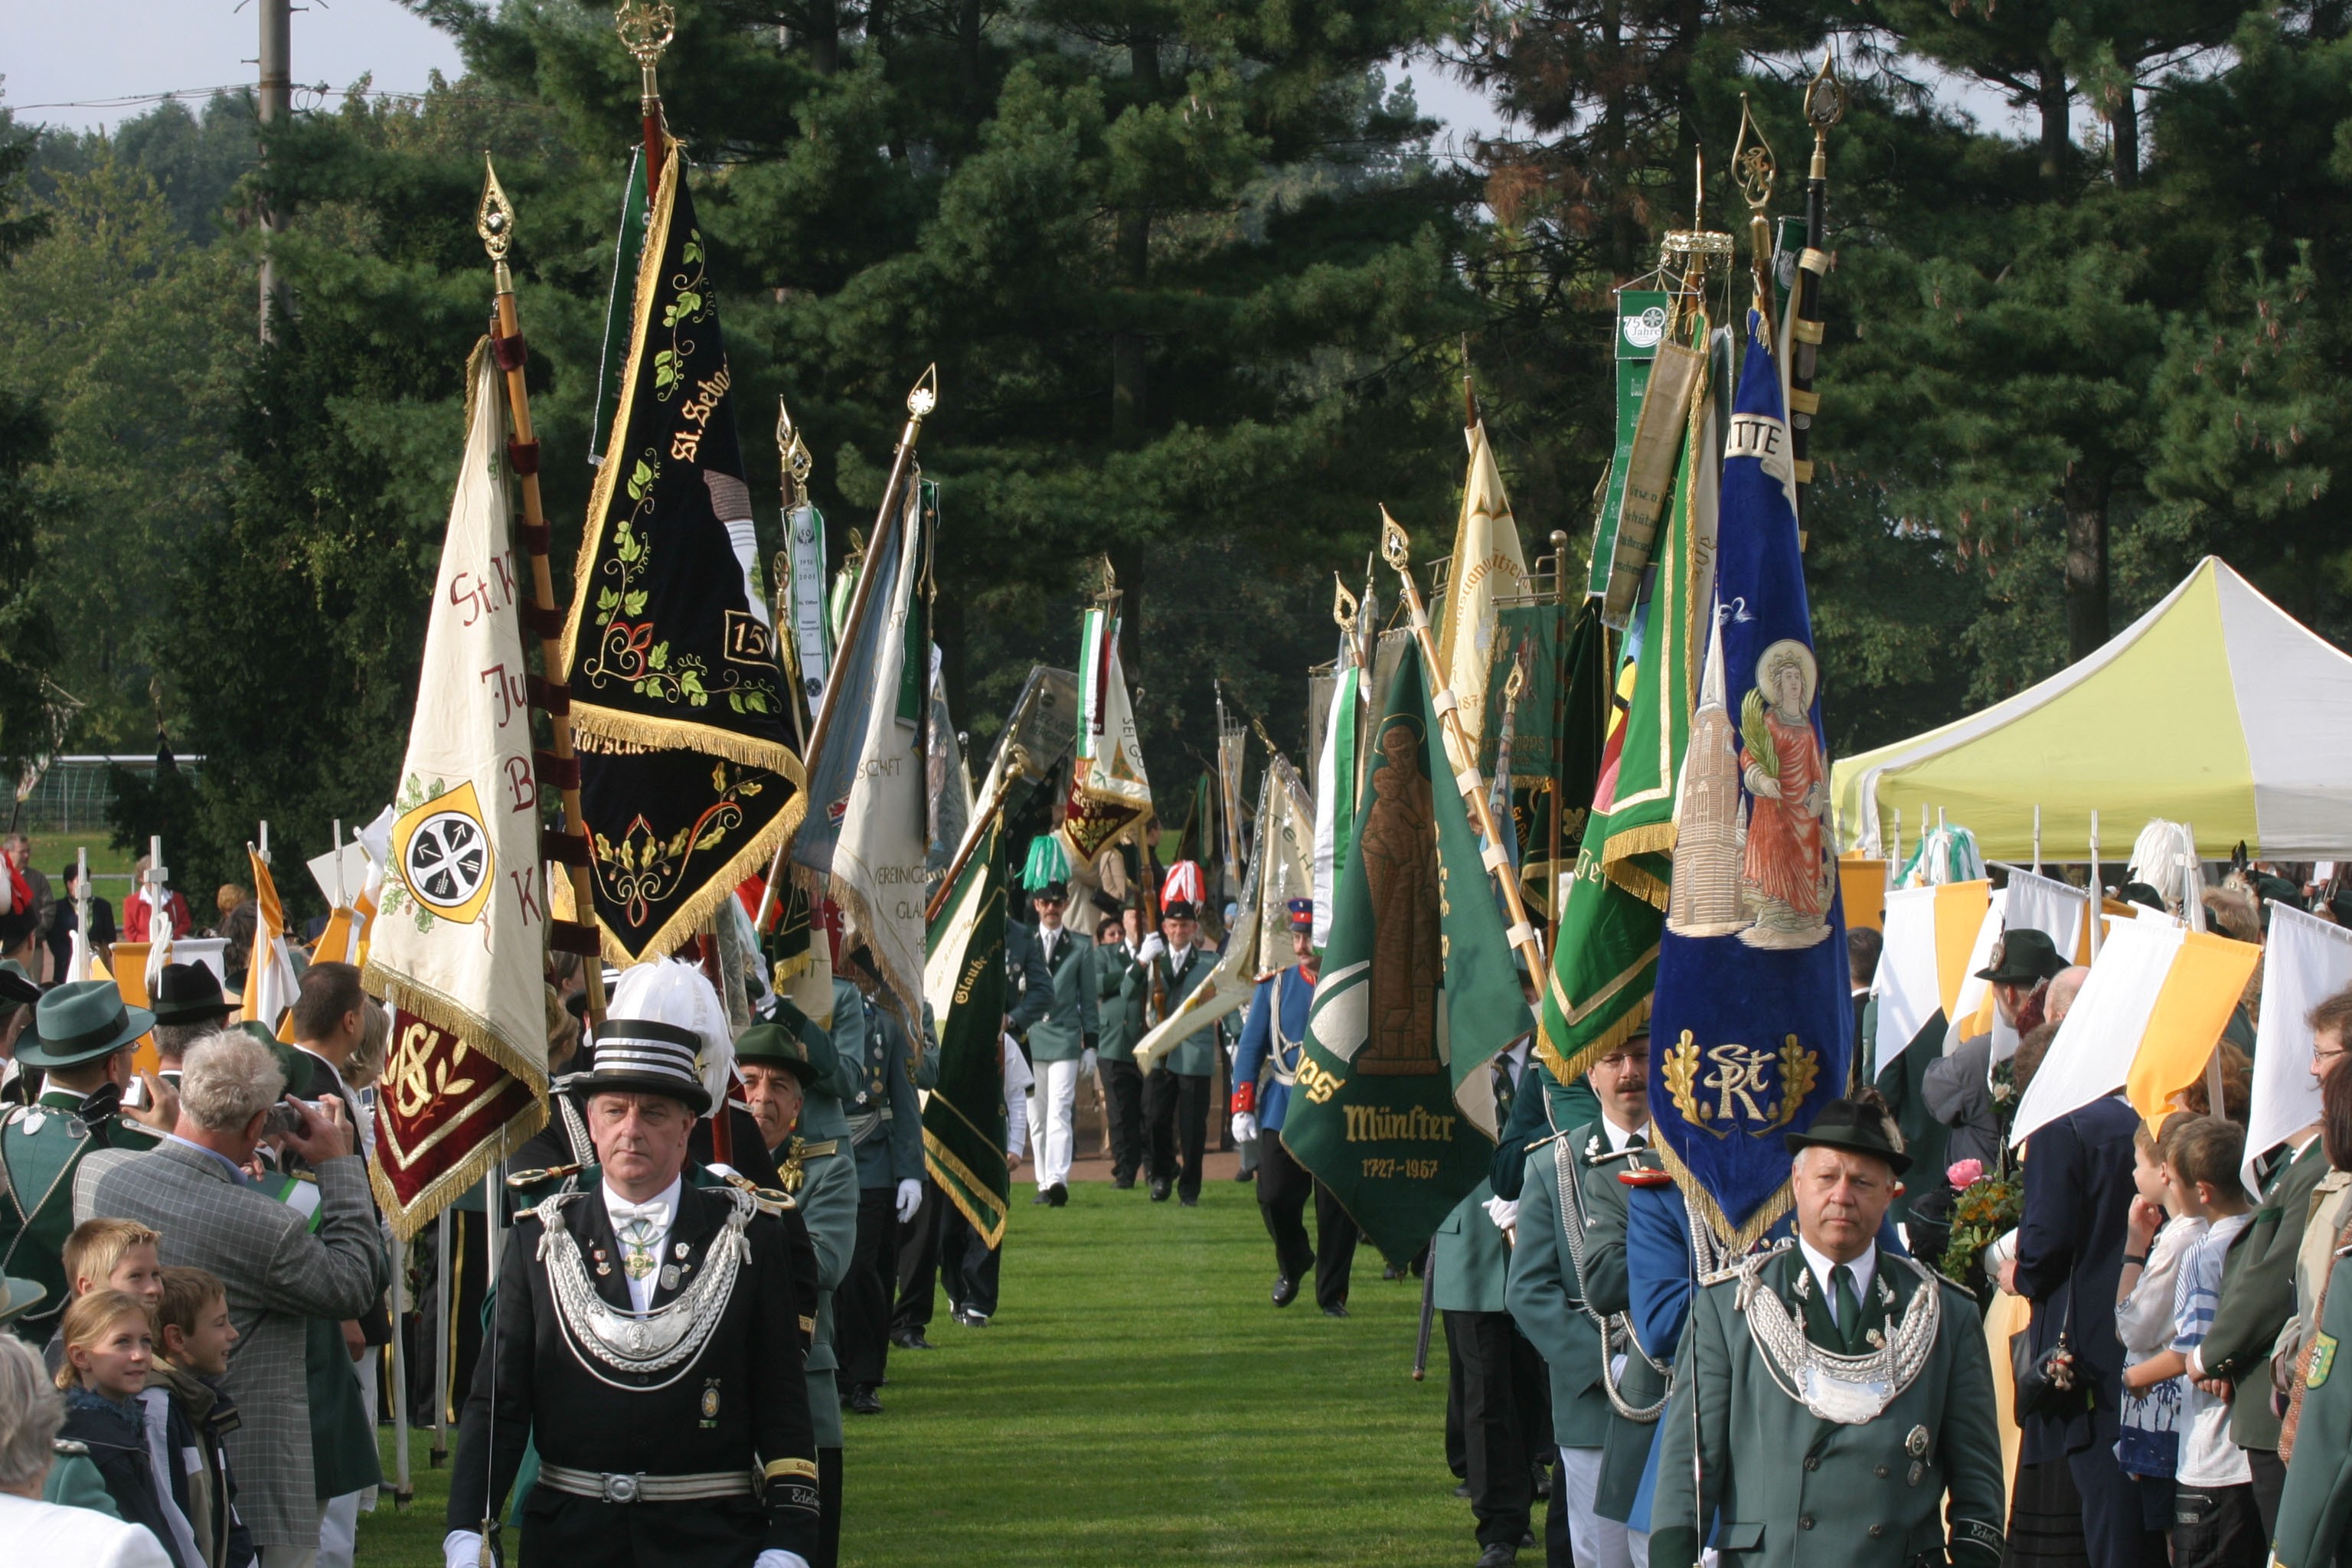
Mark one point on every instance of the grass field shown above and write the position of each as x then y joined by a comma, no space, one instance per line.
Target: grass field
1136,1402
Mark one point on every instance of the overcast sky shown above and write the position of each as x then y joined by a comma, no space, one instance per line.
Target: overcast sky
77,65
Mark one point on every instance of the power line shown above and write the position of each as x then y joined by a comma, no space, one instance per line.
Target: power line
316,93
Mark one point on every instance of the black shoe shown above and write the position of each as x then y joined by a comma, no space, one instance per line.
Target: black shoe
1502,1554
864,1401
1042,1200
1123,1184
971,1320
1462,1489
1334,1311
1527,1540
1391,1272
1245,1175
909,1339
1057,1195
1285,1289
1160,1190
1542,1484
1190,1202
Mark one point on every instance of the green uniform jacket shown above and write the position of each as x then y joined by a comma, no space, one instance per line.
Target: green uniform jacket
883,1075
1535,1117
1118,1003
1546,1296
2258,1298
1791,1490
43,1145
1470,1260
828,1200
1067,1027
2314,1517
1196,1055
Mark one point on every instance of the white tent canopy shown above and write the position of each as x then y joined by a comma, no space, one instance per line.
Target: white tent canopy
2216,708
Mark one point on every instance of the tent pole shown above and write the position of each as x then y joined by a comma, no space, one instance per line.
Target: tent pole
2037,840
2192,909
1894,856
2098,892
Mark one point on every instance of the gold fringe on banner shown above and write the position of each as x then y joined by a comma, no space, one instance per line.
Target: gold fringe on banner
474,1033
1737,1239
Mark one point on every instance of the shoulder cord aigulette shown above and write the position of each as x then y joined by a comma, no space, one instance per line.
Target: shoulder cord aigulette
1616,1331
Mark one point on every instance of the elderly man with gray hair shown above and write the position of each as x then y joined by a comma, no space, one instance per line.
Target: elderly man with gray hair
282,1268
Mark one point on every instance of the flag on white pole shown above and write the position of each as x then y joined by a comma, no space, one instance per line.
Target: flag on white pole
2305,960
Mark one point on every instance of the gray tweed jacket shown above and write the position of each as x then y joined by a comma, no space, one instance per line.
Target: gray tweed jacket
279,1275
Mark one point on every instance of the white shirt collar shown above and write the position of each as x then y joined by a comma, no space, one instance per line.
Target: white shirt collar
1620,1136
641,1291
1864,1270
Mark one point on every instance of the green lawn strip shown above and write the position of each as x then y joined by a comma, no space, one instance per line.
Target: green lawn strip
1137,1401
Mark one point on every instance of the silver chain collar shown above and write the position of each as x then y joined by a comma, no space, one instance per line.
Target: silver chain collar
667,1338
1846,1389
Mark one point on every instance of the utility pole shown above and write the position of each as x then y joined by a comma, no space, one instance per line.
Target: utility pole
276,100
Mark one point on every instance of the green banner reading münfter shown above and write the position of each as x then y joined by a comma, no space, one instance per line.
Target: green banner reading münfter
1411,978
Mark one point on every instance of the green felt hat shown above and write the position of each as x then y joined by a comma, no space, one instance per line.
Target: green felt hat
80,1022
1861,1126
17,989
19,1297
774,1045
2023,957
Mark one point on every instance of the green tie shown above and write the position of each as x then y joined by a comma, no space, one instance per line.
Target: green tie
1848,1304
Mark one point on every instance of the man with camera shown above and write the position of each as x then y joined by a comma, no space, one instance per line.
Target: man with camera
282,1268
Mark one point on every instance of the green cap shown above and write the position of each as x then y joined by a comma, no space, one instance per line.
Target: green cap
19,1297
80,1022
773,1045
18,988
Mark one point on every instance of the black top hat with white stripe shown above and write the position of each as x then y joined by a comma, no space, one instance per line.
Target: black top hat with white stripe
638,1055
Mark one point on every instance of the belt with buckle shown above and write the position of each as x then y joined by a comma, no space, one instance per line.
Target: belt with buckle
643,1488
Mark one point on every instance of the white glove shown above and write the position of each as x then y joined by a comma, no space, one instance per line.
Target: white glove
777,1557
910,1198
1154,946
1086,1062
1504,1212
1245,1126
461,1548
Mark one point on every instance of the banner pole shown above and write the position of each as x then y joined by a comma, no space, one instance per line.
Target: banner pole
1396,547
495,223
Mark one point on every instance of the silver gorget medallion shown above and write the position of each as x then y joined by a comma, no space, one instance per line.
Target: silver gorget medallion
664,1339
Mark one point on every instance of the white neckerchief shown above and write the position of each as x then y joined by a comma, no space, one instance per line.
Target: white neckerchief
661,1212
1864,1269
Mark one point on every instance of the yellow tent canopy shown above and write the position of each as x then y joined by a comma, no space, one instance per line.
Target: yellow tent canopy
2216,708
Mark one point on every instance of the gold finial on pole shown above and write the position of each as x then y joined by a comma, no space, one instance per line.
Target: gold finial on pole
647,28
1754,169
1344,606
921,398
494,221
1825,101
793,454
1396,544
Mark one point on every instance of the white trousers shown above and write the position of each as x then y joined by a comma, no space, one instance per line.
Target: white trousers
1057,1101
1592,1540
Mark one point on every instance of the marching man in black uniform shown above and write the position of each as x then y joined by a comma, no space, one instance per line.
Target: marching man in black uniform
646,1335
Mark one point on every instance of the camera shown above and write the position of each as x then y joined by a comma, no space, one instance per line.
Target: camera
284,1118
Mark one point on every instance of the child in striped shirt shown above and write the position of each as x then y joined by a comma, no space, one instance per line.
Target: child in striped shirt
2214,1521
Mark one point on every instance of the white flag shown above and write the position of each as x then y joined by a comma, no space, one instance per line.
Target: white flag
881,875
458,947
2305,960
